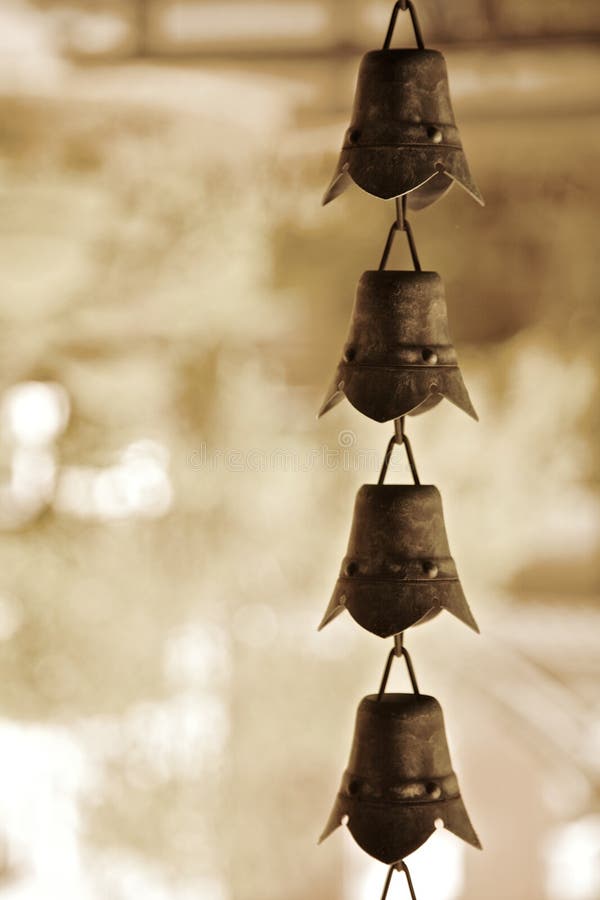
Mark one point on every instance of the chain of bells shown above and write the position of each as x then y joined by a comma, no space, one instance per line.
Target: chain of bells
398,360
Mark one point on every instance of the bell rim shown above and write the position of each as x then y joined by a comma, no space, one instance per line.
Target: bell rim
453,809
381,607
411,274
406,52
368,486
454,170
352,379
383,604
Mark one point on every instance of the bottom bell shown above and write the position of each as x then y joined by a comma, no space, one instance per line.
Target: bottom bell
399,783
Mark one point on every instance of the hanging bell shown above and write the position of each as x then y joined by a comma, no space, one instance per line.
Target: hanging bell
403,137
398,570
399,782
398,358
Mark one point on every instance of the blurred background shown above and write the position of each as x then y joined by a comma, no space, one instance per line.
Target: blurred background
173,301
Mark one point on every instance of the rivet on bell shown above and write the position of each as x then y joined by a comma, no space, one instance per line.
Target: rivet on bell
429,356
353,135
349,354
434,790
351,568
434,134
430,569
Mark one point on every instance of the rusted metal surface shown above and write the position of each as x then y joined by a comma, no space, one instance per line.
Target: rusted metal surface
399,781
398,358
398,570
402,137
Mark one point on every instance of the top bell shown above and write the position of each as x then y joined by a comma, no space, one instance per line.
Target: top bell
403,137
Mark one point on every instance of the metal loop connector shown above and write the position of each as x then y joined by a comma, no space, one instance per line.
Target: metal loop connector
412,246
401,224
400,438
398,650
388,246
398,867
404,5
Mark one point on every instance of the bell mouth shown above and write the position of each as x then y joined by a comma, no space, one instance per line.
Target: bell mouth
418,196
389,833
422,173
386,607
385,392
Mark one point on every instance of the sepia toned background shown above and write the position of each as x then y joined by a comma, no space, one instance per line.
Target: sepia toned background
172,303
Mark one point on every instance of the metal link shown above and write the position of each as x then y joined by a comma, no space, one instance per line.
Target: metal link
404,5
400,438
398,867
401,224
398,650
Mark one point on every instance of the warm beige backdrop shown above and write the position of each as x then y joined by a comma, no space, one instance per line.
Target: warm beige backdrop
173,301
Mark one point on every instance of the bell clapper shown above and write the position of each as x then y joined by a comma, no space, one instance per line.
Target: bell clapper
398,867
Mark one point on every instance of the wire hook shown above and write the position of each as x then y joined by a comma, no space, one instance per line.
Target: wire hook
401,223
398,867
400,438
404,5
398,650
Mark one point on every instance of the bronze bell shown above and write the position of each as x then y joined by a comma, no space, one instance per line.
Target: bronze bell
403,137
399,782
398,358
398,570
